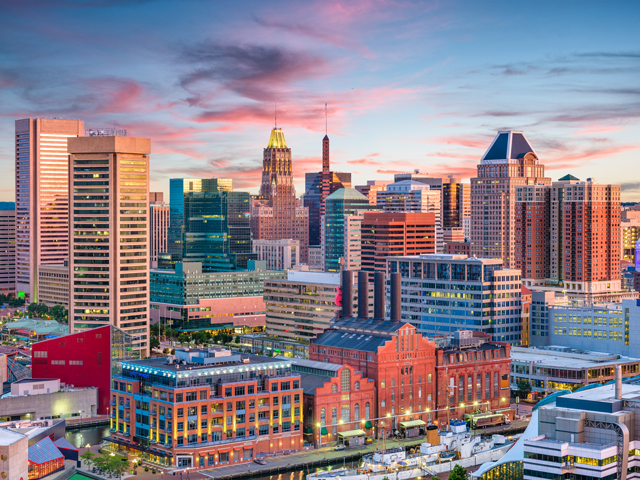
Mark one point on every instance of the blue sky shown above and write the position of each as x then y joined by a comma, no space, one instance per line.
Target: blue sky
410,85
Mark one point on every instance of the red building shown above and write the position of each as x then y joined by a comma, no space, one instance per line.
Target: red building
472,373
395,235
336,399
205,408
458,248
276,214
83,359
532,231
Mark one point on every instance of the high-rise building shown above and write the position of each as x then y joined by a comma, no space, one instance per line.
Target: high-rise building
395,234
417,197
7,252
53,284
279,254
629,234
178,187
109,241
159,212
456,202
318,186
217,230
532,224
371,188
509,162
342,233
439,280
276,213
42,196
434,182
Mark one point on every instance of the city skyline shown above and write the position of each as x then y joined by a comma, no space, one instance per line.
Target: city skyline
408,85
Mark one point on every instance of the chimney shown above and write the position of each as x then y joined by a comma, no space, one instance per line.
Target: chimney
395,310
378,295
347,293
363,294
618,382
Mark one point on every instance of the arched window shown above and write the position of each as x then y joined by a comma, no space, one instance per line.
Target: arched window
334,415
345,380
356,412
334,388
366,411
323,417
356,386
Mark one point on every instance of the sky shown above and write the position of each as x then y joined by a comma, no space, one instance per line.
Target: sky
408,84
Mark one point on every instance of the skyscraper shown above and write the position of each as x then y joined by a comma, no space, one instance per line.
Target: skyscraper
178,188
7,251
509,161
276,214
318,186
42,196
159,212
217,230
342,228
109,241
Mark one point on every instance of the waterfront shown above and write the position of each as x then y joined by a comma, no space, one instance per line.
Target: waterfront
89,435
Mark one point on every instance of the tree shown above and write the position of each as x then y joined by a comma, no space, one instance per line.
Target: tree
117,465
237,339
59,313
201,337
88,457
101,461
524,388
155,343
458,473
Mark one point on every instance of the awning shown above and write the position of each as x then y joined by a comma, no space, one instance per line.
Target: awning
412,424
352,433
324,431
136,447
51,336
23,332
368,424
308,430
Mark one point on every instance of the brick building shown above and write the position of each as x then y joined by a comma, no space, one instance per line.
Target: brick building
458,248
532,223
337,398
472,373
206,408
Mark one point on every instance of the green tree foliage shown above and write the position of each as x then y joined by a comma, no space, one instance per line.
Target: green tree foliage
59,313
524,388
155,343
458,473
11,301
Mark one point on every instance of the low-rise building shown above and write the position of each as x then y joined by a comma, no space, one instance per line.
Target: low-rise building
205,408
14,451
278,254
32,330
263,344
554,368
53,285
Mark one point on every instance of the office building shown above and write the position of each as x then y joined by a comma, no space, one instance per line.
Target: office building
318,186
217,230
342,233
371,189
415,197
442,294
586,434
525,316
276,213
8,252
337,398
279,254
159,214
316,256
509,162
456,203
188,299
629,234
42,196
433,181
53,285
395,235
472,374
458,248
303,305
178,187
392,353
205,408
85,360
109,243
532,219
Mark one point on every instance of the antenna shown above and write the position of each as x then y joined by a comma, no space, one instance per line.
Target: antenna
326,122
275,114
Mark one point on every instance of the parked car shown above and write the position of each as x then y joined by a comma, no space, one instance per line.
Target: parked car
339,447
260,461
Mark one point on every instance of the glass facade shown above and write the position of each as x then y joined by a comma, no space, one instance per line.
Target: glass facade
312,198
505,471
339,205
217,230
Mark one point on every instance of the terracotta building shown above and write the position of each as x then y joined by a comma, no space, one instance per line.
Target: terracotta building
532,223
458,248
337,398
206,408
472,374
276,214
395,234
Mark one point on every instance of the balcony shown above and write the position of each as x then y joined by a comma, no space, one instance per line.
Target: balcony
113,403
218,442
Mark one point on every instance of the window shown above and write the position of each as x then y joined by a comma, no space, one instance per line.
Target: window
345,414
366,411
203,409
496,384
356,412
264,430
345,380
274,387
356,386
239,391
334,388
334,415
224,457
323,417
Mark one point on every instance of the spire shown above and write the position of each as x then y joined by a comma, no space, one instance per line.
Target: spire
276,140
325,145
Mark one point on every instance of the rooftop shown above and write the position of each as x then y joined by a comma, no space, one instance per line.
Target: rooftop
347,194
8,437
276,140
571,359
507,145
324,278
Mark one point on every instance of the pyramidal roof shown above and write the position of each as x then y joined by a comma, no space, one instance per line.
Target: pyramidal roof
276,140
508,145
568,178
347,194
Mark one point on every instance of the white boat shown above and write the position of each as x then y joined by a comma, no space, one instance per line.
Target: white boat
397,464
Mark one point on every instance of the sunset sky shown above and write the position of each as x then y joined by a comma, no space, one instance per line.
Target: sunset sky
409,85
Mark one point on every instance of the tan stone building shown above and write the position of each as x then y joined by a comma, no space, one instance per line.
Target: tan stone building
53,285
109,241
